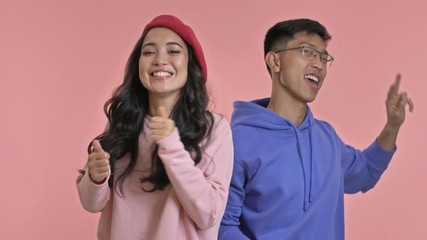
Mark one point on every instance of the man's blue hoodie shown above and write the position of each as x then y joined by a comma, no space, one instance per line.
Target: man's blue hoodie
289,181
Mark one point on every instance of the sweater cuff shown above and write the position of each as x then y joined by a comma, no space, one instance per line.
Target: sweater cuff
381,156
169,141
93,187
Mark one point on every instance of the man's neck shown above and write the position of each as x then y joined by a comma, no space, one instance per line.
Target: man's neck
291,110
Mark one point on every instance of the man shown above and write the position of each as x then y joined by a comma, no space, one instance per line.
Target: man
291,170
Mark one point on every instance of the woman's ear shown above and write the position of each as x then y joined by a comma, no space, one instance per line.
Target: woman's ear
273,61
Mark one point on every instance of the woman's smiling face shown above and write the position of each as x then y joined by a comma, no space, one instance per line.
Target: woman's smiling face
163,64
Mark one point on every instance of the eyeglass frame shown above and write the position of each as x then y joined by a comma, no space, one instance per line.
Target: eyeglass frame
329,60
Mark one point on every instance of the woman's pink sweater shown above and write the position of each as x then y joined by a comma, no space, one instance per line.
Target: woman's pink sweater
190,207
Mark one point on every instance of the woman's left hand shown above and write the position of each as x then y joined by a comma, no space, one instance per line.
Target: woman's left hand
161,125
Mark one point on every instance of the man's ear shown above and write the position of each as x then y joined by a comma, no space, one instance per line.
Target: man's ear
273,61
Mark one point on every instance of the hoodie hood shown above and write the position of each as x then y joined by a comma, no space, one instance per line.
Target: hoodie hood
256,114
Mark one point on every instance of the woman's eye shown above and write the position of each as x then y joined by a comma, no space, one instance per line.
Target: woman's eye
147,53
174,52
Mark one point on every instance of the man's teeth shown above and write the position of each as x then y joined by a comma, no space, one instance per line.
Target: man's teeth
312,78
162,74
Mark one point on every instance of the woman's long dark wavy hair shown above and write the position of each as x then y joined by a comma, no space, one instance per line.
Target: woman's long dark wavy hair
128,107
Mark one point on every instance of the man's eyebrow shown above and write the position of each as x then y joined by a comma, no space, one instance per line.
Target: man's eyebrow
313,46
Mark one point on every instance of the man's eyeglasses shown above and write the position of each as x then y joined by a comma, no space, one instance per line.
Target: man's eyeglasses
307,51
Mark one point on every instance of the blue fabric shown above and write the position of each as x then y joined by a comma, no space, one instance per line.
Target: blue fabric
289,181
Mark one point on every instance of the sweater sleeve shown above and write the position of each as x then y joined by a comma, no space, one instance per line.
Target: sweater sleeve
363,169
230,224
93,197
203,194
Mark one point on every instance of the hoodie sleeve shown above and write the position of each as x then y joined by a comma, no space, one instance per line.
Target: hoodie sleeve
363,169
230,224
94,197
201,189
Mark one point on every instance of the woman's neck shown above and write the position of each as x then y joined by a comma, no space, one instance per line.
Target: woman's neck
157,101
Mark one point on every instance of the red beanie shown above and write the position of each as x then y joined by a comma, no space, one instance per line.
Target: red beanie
185,32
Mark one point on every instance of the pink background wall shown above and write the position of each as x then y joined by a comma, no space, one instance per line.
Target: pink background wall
60,60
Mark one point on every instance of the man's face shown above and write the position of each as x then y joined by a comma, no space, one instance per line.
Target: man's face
301,71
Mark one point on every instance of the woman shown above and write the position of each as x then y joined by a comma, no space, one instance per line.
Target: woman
162,168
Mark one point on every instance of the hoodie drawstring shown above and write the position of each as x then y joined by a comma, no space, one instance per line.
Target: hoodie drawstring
303,168
311,164
308,200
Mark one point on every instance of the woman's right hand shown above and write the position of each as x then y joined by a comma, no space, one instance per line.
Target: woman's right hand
98,163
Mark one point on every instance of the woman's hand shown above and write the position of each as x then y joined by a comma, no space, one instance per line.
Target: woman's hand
161,125
98,163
